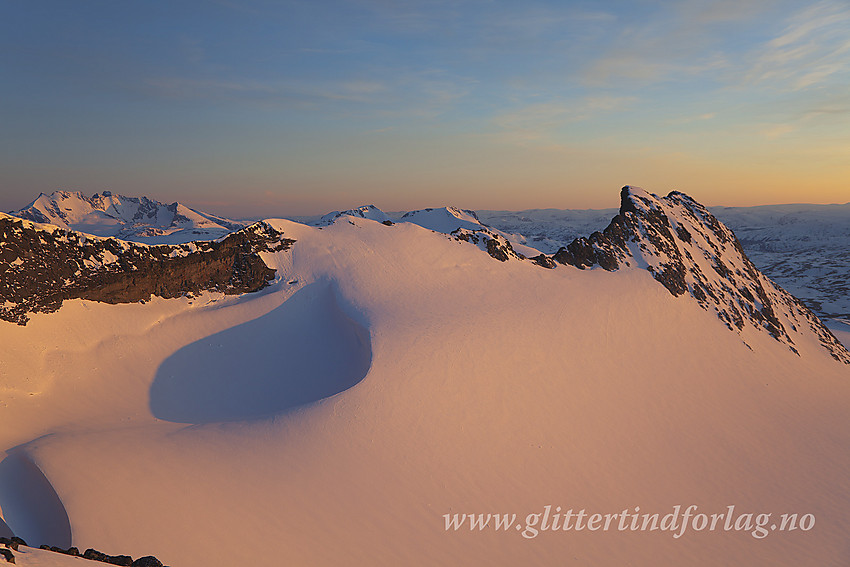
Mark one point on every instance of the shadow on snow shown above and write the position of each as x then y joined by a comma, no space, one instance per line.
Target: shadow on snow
305,350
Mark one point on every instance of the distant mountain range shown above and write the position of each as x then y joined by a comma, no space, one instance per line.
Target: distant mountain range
801,247
138,219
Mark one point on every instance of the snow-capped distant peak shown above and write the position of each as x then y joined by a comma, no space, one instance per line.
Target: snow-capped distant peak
137,219
366,212
444,219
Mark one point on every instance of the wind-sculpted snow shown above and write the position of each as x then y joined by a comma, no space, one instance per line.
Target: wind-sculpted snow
31,508
690,252
305,350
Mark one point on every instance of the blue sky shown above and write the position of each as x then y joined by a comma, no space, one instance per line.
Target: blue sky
270,108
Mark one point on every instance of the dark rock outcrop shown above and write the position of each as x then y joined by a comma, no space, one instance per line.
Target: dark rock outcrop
494,244
544,261
690,252
96,555
40,268
70,551
147,561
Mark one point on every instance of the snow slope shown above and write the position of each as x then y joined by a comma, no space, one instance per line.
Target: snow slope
479,386
128,218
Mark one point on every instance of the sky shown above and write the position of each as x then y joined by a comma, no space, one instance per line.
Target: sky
272,108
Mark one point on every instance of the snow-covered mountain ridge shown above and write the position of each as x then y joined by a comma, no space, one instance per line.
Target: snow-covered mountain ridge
390,375
138,219
675,238
802,247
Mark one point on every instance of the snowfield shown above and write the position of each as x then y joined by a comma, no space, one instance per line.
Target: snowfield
392,375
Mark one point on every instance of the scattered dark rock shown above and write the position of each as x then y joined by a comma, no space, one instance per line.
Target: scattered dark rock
388,222
7,555
96,555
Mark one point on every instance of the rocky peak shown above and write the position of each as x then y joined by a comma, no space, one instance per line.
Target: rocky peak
690,252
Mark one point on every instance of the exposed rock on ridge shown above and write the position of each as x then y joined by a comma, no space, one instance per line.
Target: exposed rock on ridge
495,245
40,267
690,252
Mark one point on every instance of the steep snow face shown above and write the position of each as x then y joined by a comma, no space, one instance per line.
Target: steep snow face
690,252
129,218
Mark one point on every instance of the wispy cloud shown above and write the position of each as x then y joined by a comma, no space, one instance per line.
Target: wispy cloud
691,119
643,56
423,94
265,92
813,47
777,131
700,12
539,121
697,38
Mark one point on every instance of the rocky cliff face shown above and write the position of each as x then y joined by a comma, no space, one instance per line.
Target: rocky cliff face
691,253
40,267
